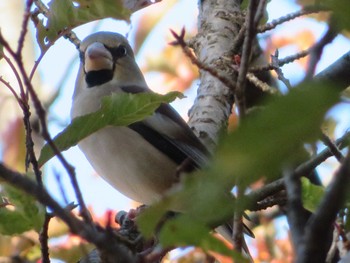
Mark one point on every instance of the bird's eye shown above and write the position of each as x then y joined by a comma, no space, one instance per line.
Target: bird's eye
118,52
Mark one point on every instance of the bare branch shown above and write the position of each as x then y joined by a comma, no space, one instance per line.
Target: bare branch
179,41
274,23
332,147
320,225
279,72
40,111
261,84
247,47
111,245
317,49
282,62
296,214
304,168
338,72
44,237
24,28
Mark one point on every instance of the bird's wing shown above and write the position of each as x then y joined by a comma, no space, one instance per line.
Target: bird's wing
169,133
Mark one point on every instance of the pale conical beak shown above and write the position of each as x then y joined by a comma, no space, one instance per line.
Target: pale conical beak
97,57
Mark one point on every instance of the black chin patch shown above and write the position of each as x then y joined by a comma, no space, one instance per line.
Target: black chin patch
94,78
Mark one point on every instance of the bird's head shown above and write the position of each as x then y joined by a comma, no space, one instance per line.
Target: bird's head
107,57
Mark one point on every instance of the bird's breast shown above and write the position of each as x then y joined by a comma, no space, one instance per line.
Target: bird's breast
129,163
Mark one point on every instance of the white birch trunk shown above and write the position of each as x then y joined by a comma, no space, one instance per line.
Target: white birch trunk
218,23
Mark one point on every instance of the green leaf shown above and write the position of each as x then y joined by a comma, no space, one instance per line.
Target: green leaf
196,192
340,10
118,109
260,147
311,194
64,15
185,231
273,138
22,214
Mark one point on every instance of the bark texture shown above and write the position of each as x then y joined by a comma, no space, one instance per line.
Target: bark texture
219,22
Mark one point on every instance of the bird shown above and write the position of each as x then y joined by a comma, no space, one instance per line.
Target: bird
140,160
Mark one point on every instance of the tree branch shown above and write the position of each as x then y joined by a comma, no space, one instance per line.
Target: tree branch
305,11
320,225
317,49
338,72
305,168
250,34
107,242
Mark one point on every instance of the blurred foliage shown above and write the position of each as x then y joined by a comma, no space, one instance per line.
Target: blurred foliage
194,233
259,148
19,212
340,10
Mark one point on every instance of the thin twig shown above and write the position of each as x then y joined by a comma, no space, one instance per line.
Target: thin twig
278,70
7,84
332,147
66,33
277,199
317,50
274,23
282,62
179,41
30,154
244,63
240,100
310,165
42,118
36,64
24,27
259,13
237,231
228,82
44,237
42,7
261,84
23,96
238,40
40,111
304,168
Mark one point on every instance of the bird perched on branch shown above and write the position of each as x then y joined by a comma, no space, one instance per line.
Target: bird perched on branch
139,160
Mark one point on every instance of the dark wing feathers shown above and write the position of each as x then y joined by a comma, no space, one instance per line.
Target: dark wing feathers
174,138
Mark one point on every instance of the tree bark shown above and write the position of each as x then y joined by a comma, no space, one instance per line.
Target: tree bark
219,22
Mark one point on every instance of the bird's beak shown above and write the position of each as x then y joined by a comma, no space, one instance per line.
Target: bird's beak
97,57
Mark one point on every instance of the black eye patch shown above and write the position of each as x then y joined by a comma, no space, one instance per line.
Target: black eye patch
117,52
